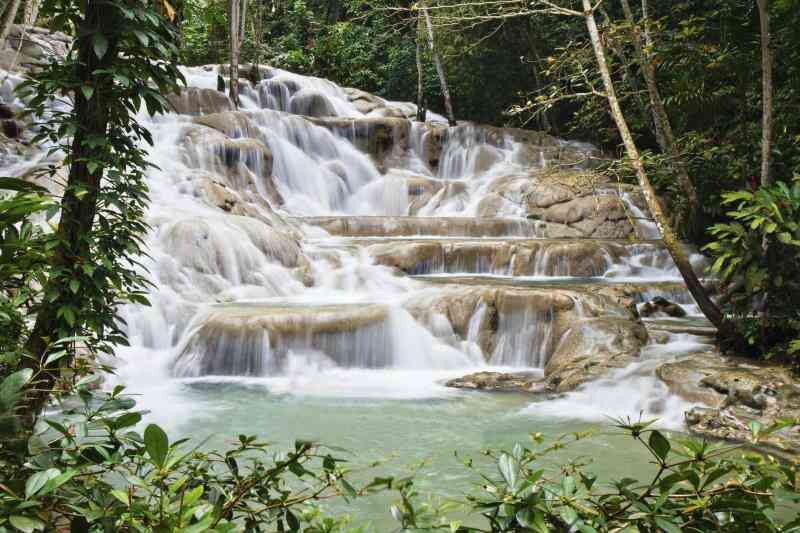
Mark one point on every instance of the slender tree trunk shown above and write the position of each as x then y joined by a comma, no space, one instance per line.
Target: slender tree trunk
673,245
448,104
79,203
544,119
234,64
31,12
663,127
766,86
421,111
9,15
242,19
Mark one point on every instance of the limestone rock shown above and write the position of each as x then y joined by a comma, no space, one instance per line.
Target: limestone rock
591,348
194,101
498,382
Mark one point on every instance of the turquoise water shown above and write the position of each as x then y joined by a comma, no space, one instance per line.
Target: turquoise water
402,432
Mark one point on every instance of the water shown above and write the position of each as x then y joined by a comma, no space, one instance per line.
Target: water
282,252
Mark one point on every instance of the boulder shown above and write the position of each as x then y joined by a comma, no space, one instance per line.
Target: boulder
194,101
736,392
591,348
311,103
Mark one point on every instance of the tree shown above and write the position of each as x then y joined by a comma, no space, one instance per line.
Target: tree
708,307
124,56
31,12
448,104
9,15
421,111
233,19
663,127
766,96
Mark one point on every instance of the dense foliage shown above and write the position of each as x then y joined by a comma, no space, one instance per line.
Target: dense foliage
758,258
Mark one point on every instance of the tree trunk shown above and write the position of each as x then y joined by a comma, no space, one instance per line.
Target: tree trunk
79,202
663,127
31,12
448,104
545,123
9,15
234,64
242,19
673,245
421,111
766,86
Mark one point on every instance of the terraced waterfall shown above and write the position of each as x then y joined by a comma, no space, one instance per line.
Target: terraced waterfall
327,268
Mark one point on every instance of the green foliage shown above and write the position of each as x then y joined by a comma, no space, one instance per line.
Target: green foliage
89,276
88,469
758,258
696,486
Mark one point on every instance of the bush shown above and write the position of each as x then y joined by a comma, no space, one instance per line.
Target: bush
758,261
88,469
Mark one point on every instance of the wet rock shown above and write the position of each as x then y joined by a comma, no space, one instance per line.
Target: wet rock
498,382
440,226
311,103
11,128
591,348
194,101
661,305
6,112
380,137
736,392
233,124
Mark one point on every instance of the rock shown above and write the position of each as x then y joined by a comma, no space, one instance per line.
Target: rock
379,137
661,305
408,226
233,124
11,129
498,382
194,101
605,207
736,391
311,103
5,112
591,348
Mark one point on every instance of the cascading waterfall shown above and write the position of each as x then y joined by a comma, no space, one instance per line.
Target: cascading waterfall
278,232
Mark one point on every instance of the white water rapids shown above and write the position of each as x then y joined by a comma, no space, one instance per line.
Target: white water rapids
249,292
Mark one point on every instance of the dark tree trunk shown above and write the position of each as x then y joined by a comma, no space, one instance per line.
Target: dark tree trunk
766,97
421,111
79,203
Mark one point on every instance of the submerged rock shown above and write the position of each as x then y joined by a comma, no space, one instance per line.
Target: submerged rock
661,305
499,382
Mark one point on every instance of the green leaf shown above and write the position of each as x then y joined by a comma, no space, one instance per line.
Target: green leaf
26,524
157,444
100,45
38,480
659,444
11,387
509,469
56,482
87,91
668,526
127,420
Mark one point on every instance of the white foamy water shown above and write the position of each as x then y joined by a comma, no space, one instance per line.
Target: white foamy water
632,392
247,296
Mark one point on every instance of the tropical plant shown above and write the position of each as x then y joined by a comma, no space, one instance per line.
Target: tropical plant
758,259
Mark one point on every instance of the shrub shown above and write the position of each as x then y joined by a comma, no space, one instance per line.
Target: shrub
758,260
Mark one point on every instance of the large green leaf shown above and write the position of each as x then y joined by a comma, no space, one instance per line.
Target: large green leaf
157,444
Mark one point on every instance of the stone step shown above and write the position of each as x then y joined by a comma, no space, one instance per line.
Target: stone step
582,258
380,226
